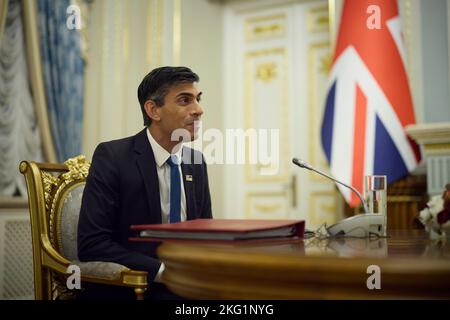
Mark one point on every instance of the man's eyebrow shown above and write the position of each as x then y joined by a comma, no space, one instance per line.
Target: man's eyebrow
184,94
188,94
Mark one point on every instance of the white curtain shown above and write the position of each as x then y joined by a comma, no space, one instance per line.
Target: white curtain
19,133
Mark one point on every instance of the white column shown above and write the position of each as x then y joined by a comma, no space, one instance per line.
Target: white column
435,141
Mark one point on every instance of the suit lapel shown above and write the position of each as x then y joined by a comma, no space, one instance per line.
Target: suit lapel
147,167
187,169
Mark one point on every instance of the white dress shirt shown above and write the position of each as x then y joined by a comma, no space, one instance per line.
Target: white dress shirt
163,170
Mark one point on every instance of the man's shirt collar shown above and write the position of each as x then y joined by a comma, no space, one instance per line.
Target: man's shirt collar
161,154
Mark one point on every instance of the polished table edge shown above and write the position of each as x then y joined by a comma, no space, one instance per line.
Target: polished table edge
208,271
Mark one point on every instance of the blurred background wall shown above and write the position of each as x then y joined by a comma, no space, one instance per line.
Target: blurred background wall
126,40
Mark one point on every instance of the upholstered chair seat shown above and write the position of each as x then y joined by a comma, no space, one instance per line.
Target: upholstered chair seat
70,211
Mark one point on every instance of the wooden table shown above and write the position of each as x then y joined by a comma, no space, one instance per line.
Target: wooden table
411,266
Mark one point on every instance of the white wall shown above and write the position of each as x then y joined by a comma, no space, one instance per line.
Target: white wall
435,61
201,50
129,38
119,44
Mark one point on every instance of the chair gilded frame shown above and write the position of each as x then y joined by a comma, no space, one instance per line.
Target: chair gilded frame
47,185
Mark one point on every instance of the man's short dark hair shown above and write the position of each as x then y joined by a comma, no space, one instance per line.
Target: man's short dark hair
157,83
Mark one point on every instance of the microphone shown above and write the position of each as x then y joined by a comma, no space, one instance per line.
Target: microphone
306,165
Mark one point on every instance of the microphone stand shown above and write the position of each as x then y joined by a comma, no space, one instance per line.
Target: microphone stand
305,165
360,225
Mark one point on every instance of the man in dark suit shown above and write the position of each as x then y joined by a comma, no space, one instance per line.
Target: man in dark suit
147,178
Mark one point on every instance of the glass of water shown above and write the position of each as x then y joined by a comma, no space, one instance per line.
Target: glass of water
375,194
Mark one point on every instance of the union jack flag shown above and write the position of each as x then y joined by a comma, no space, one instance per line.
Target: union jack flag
369,101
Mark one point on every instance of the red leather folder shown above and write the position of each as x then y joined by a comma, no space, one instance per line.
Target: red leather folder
220,230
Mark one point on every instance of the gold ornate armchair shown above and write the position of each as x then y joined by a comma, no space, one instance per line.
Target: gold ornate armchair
54,198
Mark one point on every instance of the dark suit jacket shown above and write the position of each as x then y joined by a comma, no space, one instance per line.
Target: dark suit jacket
122,189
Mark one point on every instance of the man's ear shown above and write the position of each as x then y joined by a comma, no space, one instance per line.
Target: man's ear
152,110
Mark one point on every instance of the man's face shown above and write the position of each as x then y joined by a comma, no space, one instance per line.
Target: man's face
182,109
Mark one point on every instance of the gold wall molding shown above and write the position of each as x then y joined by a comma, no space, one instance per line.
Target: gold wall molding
266,72
332,28
408,36
265,27
314,114
318,19
279,200
320,211
441,148
250,77
268,208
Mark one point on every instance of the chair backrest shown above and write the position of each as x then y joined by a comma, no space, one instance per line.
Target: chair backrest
66,218
54,199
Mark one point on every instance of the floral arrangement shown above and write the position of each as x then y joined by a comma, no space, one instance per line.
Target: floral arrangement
436,216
